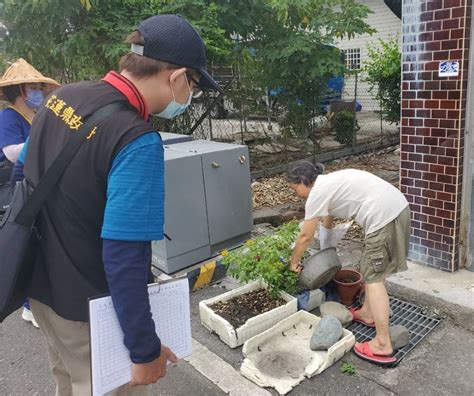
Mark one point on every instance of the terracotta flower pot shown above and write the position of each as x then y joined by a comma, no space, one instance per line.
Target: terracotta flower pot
348,285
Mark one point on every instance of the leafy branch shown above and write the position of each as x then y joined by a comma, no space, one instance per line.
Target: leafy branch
266,258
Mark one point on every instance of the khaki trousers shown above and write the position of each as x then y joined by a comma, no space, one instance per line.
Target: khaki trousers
68,348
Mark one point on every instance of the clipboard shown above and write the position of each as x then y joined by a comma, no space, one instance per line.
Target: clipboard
110,359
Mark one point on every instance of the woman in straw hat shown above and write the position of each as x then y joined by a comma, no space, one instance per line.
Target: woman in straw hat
23,87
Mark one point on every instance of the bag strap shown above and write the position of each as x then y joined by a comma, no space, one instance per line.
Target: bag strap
50,179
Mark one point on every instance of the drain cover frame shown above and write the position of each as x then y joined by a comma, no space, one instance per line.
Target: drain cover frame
401,313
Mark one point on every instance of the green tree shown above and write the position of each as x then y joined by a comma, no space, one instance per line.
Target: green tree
293,43
39,32
383,69
82,39
3,55
289,41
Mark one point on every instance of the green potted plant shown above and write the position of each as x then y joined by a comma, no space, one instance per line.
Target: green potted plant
265,298
266,258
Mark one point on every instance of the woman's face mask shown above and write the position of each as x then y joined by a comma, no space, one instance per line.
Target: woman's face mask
174,109
34,97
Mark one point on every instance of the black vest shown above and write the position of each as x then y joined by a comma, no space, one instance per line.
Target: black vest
69,267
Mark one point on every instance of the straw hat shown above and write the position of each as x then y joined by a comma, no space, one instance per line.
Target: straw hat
21,72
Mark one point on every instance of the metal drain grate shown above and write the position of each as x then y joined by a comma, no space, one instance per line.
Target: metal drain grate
402,313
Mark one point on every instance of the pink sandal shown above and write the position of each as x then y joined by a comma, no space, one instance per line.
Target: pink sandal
358,319
364,351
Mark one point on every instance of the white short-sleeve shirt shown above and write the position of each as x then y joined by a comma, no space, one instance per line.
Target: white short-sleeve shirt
349,193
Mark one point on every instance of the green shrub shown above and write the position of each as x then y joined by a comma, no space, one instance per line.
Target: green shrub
266,258
345,126
383,70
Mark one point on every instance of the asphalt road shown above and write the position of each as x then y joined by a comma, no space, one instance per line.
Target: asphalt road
441,365
24,366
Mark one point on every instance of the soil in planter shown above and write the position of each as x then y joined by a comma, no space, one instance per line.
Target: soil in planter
348,279
241,308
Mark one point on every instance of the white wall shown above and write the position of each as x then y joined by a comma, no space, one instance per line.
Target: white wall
387,26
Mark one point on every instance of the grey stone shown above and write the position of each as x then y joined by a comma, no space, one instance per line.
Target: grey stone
326,334
400,336
337,310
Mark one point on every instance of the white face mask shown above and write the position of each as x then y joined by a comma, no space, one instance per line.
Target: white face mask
174,109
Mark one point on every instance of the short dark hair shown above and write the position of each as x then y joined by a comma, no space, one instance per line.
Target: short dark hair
142,66
304,172
11,92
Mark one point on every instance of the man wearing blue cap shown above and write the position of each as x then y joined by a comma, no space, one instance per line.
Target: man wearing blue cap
98,226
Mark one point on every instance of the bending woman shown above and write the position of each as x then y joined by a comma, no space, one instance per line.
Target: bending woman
383,212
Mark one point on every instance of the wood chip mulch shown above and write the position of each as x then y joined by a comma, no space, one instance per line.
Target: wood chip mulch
272,191
356,232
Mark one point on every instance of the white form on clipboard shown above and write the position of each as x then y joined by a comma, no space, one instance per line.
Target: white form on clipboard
110,359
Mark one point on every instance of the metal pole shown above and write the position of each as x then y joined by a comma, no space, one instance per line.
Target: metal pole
313,130
381,123
242,123
269,112
208,110
210,127
354,139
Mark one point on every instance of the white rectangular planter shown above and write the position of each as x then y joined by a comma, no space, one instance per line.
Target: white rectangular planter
253,326
281,357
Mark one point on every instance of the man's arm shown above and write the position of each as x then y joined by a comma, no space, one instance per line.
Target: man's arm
127,265
134,216
305,238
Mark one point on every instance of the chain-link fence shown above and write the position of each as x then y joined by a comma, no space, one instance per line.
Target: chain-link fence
369,116
256,118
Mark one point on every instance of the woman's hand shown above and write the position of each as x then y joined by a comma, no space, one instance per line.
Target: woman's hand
296,267
305,238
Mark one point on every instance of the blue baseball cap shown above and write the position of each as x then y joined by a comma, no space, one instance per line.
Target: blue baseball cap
170,38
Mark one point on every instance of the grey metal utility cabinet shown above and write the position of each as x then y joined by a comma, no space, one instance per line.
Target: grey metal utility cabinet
208,204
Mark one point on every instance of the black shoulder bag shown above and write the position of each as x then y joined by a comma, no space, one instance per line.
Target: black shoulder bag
5,188
18,235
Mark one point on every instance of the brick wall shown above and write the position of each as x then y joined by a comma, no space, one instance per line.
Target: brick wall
433,123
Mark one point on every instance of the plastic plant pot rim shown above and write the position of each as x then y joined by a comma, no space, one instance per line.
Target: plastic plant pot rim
348,271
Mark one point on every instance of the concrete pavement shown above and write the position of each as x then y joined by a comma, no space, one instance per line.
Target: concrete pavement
441,365
454,287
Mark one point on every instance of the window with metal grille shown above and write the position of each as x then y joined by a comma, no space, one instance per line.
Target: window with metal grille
352,58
